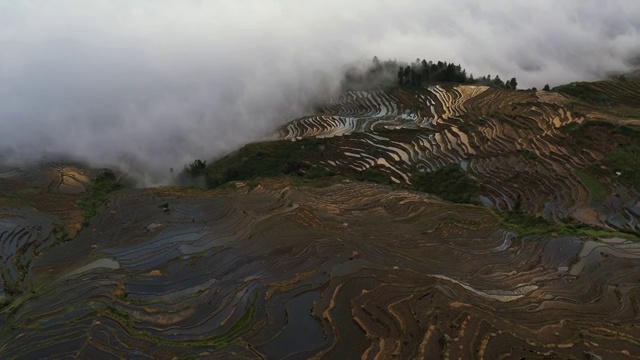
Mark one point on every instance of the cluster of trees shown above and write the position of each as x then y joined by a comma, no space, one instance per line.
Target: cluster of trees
375,75
196,168
423,71
391,72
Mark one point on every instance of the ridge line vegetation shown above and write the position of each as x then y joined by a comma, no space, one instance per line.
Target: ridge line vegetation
379,74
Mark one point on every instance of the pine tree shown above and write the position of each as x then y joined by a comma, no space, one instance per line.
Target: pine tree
400,76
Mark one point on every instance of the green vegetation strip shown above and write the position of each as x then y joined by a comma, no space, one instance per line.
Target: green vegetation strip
449,182
97,194
468,128
621,147
266,159
626,160
287,158
526,225
597,191
587,93
528,154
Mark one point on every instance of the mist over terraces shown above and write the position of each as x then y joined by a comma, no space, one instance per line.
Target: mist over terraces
246,180
423,219
550,154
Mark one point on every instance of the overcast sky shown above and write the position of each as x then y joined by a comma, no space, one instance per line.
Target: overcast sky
164,82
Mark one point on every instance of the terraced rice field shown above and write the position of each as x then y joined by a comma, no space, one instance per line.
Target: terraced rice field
282,269
514,143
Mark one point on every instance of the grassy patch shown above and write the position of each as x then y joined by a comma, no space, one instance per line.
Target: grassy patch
575,128
467,127
596,189
627,130
528,154
374,175
267,159
626,160
448,182
287,158
586,93
97,194
587,133
619,143
526,225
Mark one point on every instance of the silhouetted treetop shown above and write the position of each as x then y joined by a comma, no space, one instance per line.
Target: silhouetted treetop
379,74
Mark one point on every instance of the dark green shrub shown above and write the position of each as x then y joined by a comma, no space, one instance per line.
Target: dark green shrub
448,182
97,194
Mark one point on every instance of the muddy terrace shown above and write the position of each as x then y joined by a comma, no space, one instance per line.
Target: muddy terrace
279,270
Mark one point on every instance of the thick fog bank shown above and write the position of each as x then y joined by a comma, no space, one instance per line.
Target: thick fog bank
151,85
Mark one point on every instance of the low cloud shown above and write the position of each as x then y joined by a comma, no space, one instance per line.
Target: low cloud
149,85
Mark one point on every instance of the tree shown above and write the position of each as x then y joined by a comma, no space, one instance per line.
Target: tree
197,168
424,71
546,88
400,76
462,76
408,80
497,81
376,66
513,83
416,79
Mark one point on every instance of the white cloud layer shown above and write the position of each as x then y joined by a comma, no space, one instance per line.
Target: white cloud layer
163,82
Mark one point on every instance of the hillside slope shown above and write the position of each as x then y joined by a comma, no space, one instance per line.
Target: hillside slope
542,153
451,222
280,270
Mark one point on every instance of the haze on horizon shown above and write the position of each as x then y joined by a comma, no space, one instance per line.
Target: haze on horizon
148,85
